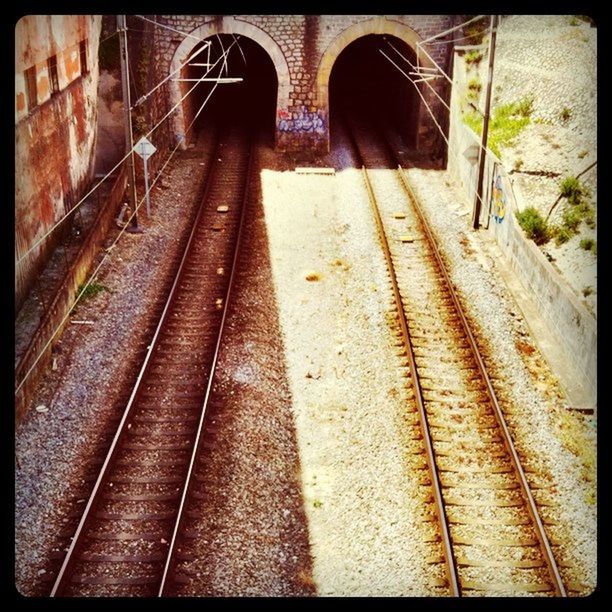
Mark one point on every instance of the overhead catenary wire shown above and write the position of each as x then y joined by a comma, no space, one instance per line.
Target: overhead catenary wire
453,29
166,78
455,40
110,248
426,41
417,70
486,149
456,153
110,172
167,27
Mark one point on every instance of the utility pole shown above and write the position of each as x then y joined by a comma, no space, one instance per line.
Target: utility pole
485,126
129,142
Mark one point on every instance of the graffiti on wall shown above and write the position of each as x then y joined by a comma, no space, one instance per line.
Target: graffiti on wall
498,197
302,121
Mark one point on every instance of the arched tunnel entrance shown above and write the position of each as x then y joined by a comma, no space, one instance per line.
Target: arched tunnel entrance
253,99
365,83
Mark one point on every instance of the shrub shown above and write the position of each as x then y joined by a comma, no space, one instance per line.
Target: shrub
565,113
587,212
571,219
524,106
561,234
474,87
91,291
572,189
534,225
507,122
476,30
589,244
473,57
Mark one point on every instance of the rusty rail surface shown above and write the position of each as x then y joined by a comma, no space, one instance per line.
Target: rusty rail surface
62,301
455,583
168,397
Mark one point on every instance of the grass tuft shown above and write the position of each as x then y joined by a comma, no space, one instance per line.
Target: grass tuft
534,225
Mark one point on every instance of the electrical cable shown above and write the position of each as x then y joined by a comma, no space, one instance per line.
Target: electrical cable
82,200
109,249
456,153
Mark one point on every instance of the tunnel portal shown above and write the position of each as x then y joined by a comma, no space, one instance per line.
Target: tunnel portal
253,99
365,83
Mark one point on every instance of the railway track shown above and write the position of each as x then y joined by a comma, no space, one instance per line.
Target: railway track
492,540
132,532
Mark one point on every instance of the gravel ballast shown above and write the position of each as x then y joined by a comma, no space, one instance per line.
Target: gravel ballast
316,492
53,446
550,439
362,499
253,536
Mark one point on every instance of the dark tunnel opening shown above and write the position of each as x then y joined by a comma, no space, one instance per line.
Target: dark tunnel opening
364,83
252,100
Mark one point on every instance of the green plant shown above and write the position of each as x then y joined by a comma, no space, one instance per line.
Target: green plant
576,20
571,218
317,503
476,30
561,234
474,87
474,84
565,113
140,123
90,291
473,57
587,212
588,244
572,189
524,106
507,122
534,225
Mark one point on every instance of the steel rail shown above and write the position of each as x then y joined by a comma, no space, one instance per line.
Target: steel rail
545,547
64,572
194,453
507,438
451,568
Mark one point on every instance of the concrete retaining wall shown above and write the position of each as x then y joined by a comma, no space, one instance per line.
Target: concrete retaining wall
569,322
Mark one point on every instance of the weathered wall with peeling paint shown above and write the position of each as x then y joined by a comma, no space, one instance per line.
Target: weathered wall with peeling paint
55,141
303,49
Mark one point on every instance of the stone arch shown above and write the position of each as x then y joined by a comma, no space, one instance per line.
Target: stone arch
228,25
376,25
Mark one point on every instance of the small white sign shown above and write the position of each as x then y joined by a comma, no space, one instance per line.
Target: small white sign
145,148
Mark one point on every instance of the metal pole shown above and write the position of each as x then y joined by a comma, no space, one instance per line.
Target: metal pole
129,142
145,160
485,126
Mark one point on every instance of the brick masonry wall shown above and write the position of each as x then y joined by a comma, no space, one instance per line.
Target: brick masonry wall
303,40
